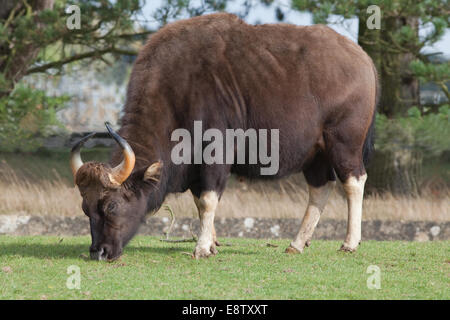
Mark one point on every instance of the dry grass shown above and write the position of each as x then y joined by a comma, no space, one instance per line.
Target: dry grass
20,196
285,200
271,204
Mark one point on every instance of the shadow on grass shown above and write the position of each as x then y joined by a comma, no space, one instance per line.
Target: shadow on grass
81,251
43,251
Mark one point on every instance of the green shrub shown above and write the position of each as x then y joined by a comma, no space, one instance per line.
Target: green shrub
405,146
428,134
27,116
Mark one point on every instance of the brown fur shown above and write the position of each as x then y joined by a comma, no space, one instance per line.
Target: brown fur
314,85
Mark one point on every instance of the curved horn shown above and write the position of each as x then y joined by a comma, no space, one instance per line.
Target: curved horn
75,157
124,169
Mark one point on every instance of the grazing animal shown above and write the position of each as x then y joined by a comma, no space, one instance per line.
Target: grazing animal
318,88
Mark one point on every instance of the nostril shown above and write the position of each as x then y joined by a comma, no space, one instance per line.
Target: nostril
103,253
99,254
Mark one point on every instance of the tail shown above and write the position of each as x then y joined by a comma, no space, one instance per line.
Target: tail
369,142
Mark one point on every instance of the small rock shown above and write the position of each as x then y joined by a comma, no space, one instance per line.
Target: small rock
421,237
9,223
435,230
275,230
249,223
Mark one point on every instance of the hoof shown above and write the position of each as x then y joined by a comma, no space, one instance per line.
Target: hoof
292,250
345,248
308,243
201,252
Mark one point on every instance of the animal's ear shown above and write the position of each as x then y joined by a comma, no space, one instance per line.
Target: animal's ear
153,172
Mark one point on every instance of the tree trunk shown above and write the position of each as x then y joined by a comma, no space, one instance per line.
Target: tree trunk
396,171
399,88
13,64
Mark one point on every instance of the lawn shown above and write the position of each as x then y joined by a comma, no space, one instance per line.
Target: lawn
37,268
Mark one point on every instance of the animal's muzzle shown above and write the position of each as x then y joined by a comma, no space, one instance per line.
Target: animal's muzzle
105,253
99,255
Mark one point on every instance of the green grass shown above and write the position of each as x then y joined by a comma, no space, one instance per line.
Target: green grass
36,268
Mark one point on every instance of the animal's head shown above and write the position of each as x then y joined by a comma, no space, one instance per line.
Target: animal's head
114,199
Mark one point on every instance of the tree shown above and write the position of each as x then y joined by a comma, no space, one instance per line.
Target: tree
45,36
396,46
35,34
439,73
35,37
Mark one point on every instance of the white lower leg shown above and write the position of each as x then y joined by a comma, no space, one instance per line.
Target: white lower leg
354,189
318,198
206,205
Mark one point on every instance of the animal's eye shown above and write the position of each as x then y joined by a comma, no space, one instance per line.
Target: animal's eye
111,207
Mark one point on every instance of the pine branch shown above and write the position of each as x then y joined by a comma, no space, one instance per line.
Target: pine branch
91,54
